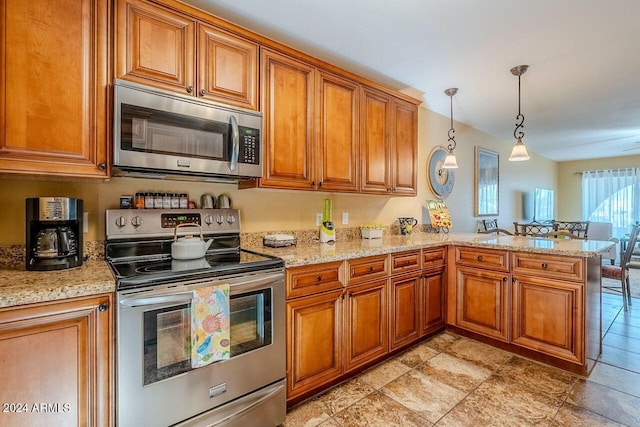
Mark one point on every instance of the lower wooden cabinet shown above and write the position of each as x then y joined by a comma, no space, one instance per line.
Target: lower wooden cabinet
404,316
314,341
482,304
548,317
366,323
432,308
56,361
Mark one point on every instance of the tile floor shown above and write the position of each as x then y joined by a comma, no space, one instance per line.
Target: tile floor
450,380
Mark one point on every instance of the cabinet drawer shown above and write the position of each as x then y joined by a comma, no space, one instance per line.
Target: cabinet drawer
433,257
483,258
405,261
365,269
312,279
557,267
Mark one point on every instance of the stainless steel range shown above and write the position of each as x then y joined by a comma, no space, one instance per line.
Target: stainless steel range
156,385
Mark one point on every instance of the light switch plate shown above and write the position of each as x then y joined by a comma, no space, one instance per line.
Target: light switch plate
345,217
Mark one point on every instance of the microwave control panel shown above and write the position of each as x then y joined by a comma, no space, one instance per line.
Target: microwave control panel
249,146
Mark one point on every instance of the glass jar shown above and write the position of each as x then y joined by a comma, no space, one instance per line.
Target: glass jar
175,201
184,201
148,200
166,200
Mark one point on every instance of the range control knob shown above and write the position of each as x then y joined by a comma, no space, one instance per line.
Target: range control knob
208,219
121,221
219,219
136,221
231,219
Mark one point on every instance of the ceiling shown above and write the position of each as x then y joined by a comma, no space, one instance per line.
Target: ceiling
580,96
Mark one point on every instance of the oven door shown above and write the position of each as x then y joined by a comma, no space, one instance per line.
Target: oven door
156,384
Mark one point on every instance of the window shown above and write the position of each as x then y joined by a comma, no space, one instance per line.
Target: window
543,204
612,196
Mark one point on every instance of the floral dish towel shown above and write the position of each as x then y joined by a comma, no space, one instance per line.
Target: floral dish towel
210,325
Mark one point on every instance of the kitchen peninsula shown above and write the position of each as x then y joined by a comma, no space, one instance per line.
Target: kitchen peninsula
364,300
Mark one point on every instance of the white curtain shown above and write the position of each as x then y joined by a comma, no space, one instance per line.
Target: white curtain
613,196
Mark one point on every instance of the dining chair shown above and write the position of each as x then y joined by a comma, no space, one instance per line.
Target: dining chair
577,228
621,272
490,226
532,228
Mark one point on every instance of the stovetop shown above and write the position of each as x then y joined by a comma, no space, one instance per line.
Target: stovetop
138,246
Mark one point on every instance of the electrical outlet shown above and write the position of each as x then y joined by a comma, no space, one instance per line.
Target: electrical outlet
345,217
318,219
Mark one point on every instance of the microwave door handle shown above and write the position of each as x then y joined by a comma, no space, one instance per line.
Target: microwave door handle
235,143
184,297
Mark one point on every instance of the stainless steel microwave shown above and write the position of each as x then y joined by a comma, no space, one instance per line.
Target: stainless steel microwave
159,134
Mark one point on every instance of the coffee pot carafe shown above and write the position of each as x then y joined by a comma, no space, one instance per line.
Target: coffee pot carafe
53,233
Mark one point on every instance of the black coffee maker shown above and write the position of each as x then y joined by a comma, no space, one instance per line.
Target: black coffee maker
54,233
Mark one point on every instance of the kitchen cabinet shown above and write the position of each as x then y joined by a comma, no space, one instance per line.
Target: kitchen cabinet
174,51
365,323
404,307
432,291
56,362
54,67
288,96
548,313
388,144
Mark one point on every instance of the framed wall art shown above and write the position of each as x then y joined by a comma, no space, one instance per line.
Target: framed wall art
486,182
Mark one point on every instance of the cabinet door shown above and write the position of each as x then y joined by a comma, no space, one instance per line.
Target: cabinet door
482,302
314,341
227,68
287,104
54,66
58,355
432,301
404,317
337,154
155,46
366,323
405,148
548,317
375,133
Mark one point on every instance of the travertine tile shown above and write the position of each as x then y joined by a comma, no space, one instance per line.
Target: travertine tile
553,381
605,401
479,353
455,372
379,410
308,414
424,395
338,398
571,416
616,378
502,401
442,342
417,355
384,373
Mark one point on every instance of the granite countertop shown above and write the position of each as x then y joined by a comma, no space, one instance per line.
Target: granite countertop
18,287
314,253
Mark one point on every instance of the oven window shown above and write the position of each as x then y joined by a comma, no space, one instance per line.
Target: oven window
152,131
167,333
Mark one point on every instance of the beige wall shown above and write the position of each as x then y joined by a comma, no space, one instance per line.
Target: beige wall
271,210
570,182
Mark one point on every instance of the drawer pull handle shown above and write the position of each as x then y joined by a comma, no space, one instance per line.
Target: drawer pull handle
319,278
370,269
544,265
479,257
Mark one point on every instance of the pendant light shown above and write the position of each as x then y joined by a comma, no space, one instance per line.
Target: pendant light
450,161
519,151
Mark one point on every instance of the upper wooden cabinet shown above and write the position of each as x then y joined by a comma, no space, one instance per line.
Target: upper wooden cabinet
287,104
388,144
172,51
54,68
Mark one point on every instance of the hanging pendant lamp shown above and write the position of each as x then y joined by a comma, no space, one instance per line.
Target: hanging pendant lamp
450,161
519,151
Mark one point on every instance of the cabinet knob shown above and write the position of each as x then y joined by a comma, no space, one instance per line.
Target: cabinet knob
370,269
203,92
319,278
479,258
190,89
544,265
320,184
102,166
313,183
504,279
103,307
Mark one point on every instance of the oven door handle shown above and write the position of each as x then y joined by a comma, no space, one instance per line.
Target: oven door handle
183,297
